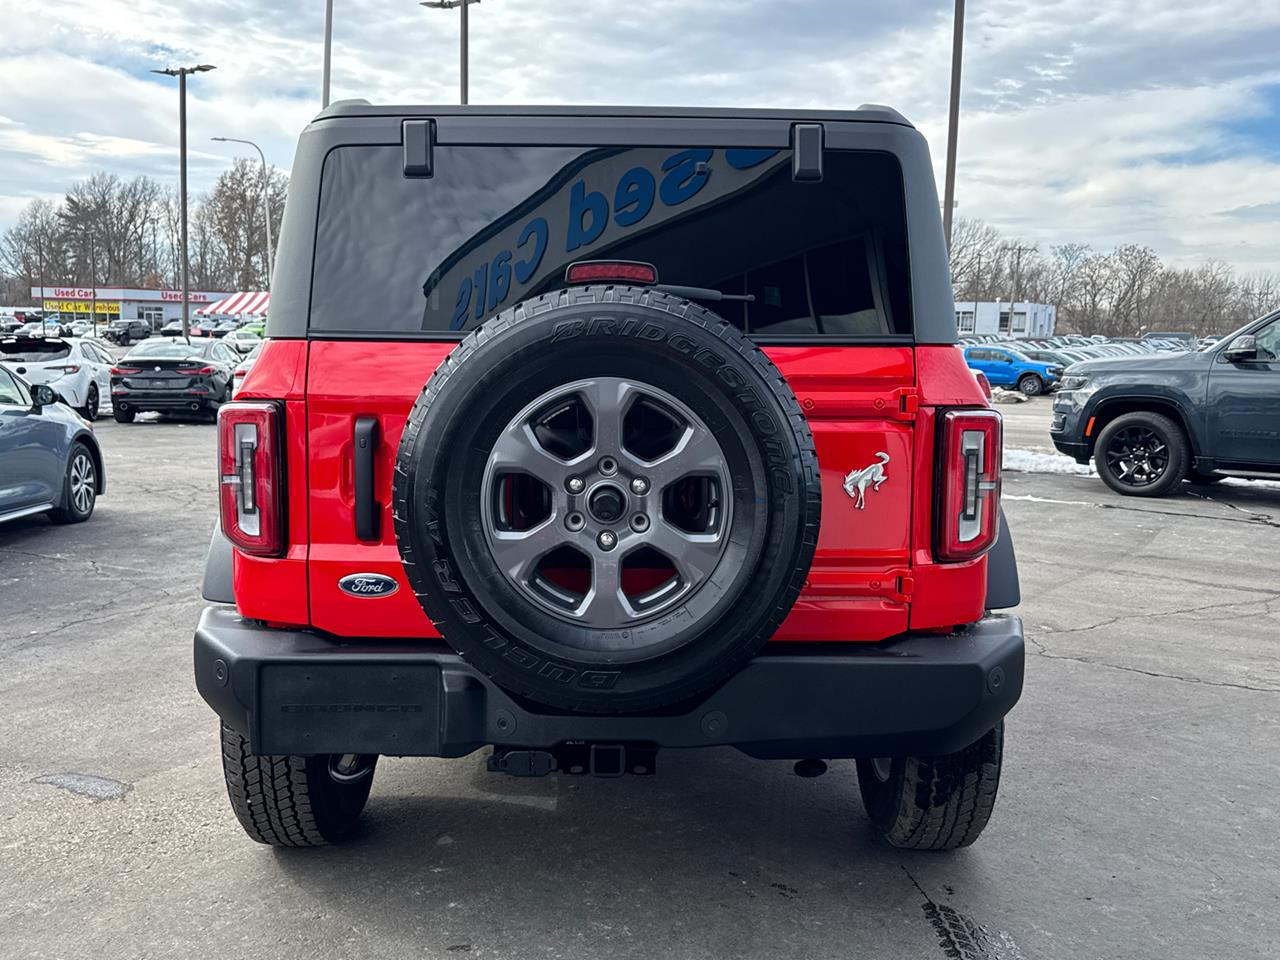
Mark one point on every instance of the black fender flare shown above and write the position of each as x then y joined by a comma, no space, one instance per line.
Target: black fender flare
1003,589
216,586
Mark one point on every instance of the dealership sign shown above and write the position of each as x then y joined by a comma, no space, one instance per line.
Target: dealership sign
124,293
83,306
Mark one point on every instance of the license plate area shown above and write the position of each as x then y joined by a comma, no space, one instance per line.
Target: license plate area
337,707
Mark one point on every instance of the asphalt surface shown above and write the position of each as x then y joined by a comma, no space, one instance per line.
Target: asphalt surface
1137,814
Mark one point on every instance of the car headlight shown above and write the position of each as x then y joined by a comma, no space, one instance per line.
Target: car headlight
1074,381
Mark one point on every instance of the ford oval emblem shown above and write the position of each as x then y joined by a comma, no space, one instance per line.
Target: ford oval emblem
368,585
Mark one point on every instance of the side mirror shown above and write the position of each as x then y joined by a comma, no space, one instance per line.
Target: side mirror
1242,348
42,395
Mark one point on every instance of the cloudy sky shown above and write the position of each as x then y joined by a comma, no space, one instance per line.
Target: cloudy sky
1101,121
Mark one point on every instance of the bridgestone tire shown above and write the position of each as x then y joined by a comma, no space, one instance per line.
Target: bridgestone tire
935,803
291,801
652,338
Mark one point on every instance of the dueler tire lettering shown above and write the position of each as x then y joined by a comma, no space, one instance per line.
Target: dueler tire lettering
649,337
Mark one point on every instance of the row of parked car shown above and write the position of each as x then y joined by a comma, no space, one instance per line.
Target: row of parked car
1037,367
160,373
52,388
125,332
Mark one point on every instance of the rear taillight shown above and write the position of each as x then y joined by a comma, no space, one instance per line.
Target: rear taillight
983,382
238,372
68,369
124,371
197,371
968,519
251,476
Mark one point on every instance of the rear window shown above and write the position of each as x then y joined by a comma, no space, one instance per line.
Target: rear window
169,348
496,225
33,351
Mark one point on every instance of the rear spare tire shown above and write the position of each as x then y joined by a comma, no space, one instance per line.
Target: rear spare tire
606,499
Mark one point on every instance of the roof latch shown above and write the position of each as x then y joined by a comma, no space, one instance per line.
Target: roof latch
806,152
418,137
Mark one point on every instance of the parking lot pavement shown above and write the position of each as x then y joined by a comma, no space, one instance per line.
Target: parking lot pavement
1137,815
1026,425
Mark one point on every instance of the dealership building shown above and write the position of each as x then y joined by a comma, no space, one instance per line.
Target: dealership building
121,303
1020,320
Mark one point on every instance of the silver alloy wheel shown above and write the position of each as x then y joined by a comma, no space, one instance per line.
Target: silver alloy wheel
593,507
83,485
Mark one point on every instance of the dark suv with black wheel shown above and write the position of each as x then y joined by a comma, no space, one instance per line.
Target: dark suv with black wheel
580,434
1153,421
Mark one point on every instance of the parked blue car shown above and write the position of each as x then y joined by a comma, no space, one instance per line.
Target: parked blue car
1006,367
50,461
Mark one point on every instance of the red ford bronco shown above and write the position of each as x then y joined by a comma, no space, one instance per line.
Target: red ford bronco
584,433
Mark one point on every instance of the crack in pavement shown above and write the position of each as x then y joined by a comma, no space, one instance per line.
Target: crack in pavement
1250,516
33,639
1273,594
1040,651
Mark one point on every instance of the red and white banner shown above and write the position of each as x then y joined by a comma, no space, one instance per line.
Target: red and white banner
250,303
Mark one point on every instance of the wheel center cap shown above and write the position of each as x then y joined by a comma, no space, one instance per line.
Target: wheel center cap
607,504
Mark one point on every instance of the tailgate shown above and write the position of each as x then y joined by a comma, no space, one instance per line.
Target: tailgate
860,402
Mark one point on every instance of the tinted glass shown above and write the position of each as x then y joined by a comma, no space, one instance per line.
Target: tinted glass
34,351
496,225
169,348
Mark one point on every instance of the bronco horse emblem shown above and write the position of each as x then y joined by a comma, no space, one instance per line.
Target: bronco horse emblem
857,481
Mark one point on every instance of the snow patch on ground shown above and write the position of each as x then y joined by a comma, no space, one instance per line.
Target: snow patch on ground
1032,461
1245,482
1035,461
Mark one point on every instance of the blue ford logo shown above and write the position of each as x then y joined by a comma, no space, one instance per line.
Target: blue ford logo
368,585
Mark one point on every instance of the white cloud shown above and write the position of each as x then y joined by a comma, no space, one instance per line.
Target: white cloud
1104,121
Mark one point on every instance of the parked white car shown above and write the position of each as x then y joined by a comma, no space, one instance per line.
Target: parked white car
79,371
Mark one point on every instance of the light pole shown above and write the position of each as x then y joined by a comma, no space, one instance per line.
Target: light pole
266,194
953,122
328,51
181,74
449,5
44,314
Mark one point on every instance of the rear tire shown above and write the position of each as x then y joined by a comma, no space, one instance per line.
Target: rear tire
934,803
79,487
90,409
1031,385
292,801
123,416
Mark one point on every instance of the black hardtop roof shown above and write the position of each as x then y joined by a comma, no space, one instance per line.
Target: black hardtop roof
864,113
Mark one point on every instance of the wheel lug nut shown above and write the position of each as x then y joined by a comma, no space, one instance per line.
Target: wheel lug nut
607,540
575,484
640,486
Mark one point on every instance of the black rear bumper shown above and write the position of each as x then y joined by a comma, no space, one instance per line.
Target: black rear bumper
295,692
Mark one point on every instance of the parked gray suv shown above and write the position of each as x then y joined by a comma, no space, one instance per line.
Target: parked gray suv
1152,421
